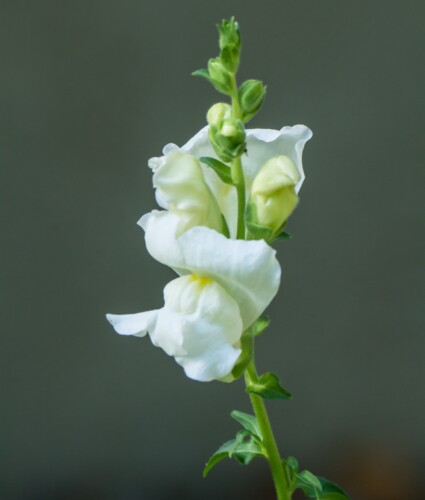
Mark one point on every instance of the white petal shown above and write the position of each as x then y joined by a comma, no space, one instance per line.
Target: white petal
133,324
263,144
201,326
248,270
160,229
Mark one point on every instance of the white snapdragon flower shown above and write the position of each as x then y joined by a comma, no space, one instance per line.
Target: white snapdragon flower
181,189
224,286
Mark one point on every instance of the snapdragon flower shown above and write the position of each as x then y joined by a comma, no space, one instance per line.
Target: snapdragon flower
181,188
224,286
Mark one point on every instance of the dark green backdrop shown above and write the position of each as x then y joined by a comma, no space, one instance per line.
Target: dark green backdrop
90,90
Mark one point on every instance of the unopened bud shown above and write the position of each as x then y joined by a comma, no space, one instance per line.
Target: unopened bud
230,44
273,196
251,97
229,34
228,138
219,76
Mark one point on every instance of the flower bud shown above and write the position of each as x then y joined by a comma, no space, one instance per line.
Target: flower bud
229,34
219,76
230,43
251,97
228,138
273,196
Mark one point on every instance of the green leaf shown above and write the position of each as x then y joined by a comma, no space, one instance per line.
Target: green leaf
331,491
292,463
220,168
282,236
310,484
249,422
243,448
268,387
260,325
219,455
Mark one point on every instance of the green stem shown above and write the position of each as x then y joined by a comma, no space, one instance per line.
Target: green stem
278,473
269,441
237,171
238,179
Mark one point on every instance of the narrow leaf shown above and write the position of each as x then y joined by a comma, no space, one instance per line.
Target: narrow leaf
219,455
260,325
220,168
331,491
243,448
268,387
310,484
249,422
247,346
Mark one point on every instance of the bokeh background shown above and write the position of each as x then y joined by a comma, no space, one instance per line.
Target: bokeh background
90,90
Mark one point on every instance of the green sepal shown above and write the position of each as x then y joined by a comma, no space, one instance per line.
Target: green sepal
259,232
203,73
256,231
217,75
247,347
248,422
268,387
243,448
220,168
224,227
260,325
282,236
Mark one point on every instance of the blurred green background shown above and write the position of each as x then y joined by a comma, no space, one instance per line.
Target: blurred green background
90,90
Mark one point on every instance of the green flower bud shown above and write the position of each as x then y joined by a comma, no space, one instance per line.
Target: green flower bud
218,112
219,76
230,44
251,97
273,196
228,138
229,34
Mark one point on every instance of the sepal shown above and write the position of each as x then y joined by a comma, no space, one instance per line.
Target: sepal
260,325
268,387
